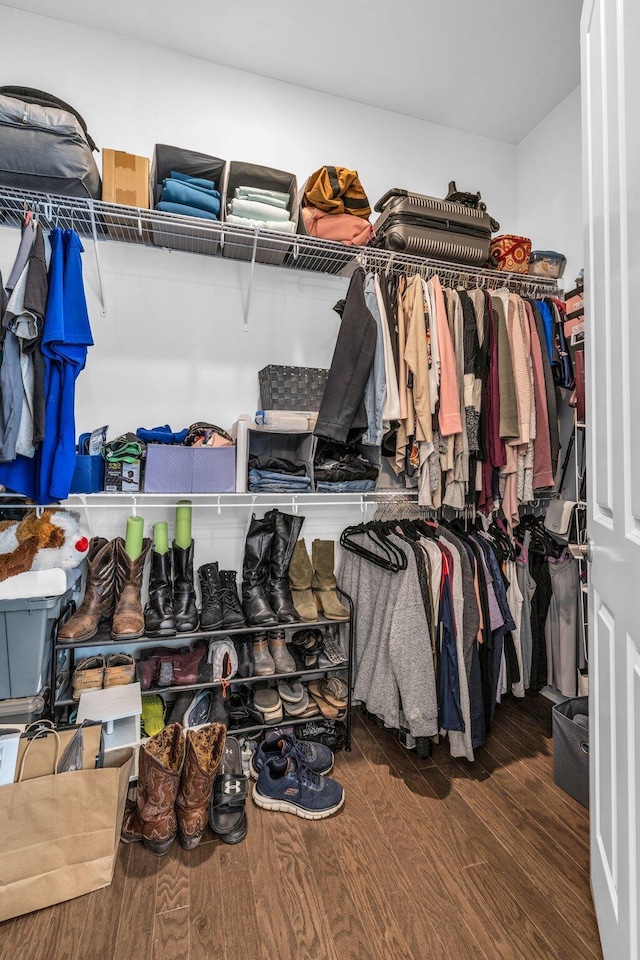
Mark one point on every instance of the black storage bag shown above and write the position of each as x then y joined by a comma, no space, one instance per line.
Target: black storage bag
571,749
45,146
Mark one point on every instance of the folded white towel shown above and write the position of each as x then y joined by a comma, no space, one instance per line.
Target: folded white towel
260,191
242,193
256,210
280,226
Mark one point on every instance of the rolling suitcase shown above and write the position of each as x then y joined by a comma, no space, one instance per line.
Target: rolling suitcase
429,227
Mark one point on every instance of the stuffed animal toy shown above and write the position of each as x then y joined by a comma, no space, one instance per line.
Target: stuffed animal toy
51,540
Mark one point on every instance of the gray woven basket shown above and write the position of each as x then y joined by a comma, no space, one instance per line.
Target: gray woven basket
291,388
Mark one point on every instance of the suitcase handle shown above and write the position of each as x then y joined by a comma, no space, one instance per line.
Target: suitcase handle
394,192
585,748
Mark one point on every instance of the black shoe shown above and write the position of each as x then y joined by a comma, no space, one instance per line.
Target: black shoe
211,592
227,814
286,532
242,712
159,620
244,646
218,712
255,572
184,594
232,615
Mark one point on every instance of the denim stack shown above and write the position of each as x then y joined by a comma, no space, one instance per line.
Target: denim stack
277,475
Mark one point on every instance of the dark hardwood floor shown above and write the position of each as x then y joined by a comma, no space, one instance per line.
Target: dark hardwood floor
432,859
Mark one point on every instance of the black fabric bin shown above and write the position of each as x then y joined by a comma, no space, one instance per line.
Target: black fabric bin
299,447
571,749
196,235
268,250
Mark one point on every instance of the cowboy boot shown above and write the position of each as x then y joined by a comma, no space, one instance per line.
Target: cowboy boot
184,593
232,615
324,581
300,577
128,619
204,748
286,532
159,620
152,817
99,593
211,593
255,568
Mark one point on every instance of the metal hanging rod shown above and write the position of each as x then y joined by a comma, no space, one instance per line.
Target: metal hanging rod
101,221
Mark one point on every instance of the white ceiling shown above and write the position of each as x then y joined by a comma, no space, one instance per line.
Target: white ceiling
491,67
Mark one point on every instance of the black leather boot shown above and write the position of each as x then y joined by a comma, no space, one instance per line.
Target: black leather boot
232,615
286,532
184,594
244,645
218,712
211,591
255,572
159,620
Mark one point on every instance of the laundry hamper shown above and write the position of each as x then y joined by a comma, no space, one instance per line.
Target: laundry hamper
571,749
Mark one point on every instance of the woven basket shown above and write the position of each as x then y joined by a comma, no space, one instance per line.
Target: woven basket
291,388
511,253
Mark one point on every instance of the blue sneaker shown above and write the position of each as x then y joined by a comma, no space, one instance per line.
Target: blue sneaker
315,756
288,786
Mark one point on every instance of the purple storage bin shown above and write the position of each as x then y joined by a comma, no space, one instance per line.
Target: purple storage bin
214,470
168,468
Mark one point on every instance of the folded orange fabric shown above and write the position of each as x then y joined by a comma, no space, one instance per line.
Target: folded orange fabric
342,227
337,190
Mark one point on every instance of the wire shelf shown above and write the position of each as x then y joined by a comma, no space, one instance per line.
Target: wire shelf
113,222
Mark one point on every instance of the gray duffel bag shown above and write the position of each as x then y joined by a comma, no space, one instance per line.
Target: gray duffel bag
45,146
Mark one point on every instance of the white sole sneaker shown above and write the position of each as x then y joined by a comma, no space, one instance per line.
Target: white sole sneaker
255,773
284,806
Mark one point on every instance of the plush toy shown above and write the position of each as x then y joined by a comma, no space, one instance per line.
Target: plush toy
51,540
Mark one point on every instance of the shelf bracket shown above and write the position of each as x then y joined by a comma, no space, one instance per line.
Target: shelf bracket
103,302
247,306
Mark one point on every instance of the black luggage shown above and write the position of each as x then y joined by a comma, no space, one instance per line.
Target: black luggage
45,146
429,227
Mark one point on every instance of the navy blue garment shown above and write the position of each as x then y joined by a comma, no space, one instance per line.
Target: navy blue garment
451,712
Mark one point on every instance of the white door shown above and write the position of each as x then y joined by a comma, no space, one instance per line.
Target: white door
610,36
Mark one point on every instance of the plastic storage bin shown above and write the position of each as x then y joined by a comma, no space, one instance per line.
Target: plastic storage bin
547,263
177,469
571,749
22,710
195,235
240,174
88,476
26,629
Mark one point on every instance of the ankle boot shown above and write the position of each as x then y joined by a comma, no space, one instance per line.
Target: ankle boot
159,620
232,615
204,748
211,593
151,817
99,594
128,619
255,570
245,657
184,593
300,576
218,712
286,532
324,581
264,665
278,649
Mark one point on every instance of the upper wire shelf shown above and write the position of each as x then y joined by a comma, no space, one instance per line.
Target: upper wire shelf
98,220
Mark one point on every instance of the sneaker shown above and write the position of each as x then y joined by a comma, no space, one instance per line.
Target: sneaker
198,710
264,665
286,785
283,660
88,675
315,756
153,714
330,655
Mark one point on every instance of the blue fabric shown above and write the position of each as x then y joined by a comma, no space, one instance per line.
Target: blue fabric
185,211
174,191
193,181
269,481
162,434
547,318
376,388
345,486
451,712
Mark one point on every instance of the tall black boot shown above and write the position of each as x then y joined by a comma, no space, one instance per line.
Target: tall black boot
232,615
184,594
255,572
211,591
286,532
159,620
244,646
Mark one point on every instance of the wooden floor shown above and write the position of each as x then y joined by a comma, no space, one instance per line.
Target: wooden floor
428,860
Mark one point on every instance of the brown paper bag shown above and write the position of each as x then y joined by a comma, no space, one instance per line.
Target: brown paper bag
60,833
43,749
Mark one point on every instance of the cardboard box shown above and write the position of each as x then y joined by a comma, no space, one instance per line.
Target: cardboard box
125,178
123,477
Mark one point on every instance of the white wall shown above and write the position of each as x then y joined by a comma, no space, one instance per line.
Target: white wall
549,164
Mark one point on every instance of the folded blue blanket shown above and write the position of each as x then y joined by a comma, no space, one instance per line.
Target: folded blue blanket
174,191
185,211
194,181
162,434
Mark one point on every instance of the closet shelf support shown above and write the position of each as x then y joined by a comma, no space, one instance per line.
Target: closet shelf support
247,307
103,302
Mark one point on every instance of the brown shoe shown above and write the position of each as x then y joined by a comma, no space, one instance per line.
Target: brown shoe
300,575
99,594
152,817
324,581
204,750
120,670
88,675
128,618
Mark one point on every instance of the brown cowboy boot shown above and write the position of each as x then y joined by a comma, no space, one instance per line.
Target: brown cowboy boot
203,754
128,618
99,594
152,817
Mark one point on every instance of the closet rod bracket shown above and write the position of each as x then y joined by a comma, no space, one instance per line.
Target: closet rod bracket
247,306
94,232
